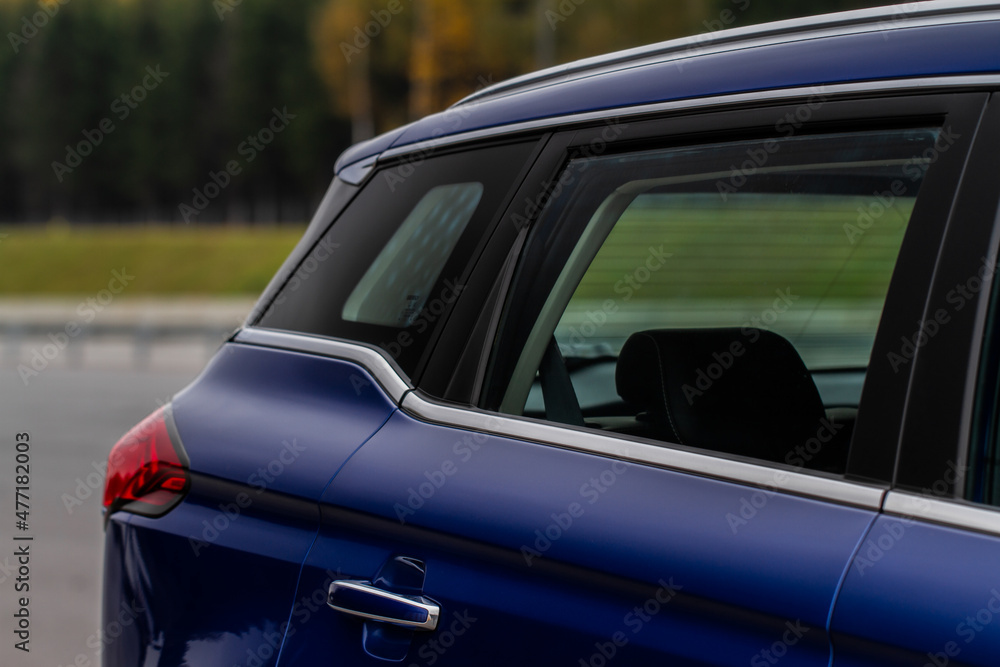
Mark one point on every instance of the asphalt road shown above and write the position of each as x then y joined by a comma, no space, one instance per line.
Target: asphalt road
73,418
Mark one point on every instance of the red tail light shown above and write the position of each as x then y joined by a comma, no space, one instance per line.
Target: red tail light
147,468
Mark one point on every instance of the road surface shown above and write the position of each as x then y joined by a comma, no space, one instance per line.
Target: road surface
73,417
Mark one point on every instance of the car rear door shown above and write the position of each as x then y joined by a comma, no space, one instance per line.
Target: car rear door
924,586
531,539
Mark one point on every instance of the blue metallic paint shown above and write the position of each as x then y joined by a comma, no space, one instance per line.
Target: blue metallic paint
475,522
252,404
202,602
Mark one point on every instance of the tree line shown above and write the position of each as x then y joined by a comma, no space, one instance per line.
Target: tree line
235,110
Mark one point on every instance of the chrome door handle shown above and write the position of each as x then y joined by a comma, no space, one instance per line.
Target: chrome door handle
360,598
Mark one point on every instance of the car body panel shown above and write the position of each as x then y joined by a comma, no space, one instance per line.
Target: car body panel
920,593
541,555
226,419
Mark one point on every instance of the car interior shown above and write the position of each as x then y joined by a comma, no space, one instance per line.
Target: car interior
689,350
687,387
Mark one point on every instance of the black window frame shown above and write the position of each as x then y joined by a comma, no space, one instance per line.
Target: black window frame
955,372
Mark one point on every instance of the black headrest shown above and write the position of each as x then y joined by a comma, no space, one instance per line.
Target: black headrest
744,391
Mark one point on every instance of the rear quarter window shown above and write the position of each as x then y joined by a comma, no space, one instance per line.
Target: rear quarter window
391,266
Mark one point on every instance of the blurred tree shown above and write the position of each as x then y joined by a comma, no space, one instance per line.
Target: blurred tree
90,134
63,83
270,71
388,61
343,56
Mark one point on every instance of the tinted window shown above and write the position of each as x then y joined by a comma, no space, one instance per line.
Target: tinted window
391,266
723,296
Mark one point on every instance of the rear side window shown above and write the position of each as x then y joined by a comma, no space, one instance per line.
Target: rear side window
670,295
389,269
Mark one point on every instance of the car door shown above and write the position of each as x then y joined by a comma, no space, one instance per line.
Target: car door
924,586
531,503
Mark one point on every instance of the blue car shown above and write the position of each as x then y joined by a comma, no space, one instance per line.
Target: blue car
573,373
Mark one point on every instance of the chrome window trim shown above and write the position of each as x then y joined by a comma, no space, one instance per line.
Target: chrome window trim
951,513
775,479
390,378
868,20
578,439
927,85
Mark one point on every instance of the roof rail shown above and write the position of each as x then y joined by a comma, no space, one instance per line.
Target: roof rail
877,17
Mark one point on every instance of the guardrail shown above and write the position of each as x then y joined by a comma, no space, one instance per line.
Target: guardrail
143,337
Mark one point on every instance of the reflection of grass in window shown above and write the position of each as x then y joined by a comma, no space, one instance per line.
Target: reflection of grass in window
749,246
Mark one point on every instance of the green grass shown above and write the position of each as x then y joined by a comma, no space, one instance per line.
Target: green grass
61,260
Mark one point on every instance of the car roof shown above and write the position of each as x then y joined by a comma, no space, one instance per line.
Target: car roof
916,40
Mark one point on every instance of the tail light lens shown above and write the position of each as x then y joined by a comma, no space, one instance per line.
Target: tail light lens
147,468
